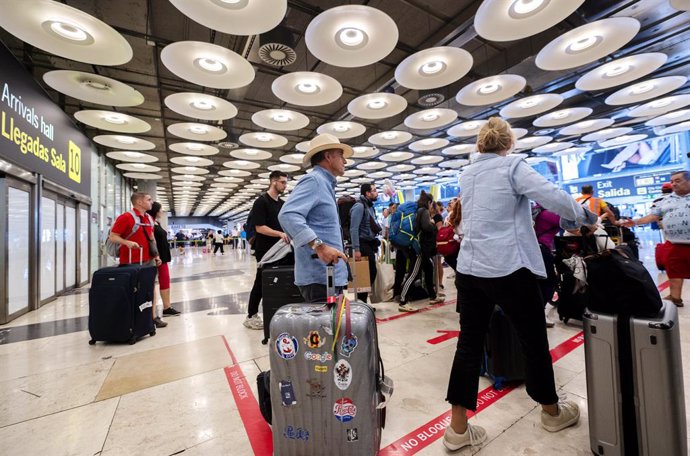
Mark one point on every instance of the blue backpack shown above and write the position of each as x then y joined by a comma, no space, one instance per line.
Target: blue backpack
402,231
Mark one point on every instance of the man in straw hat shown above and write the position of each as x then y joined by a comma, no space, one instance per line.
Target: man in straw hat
310,218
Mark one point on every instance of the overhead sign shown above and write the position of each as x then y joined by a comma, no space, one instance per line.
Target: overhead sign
36,134
643,185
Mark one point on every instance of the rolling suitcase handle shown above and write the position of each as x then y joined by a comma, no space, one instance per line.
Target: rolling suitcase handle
141,255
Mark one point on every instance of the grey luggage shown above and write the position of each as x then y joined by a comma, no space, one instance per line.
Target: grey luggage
635,384
326,397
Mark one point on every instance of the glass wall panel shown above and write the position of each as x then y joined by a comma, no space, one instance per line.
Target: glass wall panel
70,247
47,265
18,231
60,249
84,245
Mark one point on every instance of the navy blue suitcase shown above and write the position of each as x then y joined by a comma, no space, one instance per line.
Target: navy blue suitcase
121,303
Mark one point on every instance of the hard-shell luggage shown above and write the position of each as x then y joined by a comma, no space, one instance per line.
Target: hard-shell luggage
121,303
328,389
278,288
635,396
503,361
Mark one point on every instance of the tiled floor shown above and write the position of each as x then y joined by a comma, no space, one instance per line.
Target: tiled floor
170,394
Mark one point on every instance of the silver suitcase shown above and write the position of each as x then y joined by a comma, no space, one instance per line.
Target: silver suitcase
326,398
635,384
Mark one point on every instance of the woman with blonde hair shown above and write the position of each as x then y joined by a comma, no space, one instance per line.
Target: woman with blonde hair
498,264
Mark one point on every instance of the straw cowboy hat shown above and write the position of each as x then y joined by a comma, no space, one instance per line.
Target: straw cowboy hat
325,142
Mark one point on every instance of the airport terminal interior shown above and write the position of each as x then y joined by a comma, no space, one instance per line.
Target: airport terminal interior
196,102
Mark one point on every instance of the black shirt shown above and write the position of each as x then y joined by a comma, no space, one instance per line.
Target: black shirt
161,237
265,212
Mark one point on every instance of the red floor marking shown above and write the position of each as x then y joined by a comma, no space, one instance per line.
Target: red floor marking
445,335
423,309
257,429
664,285
428,433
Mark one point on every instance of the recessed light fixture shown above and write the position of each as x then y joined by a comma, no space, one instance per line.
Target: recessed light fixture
133,154
561,114
195,147
489,88
307,87
351,38
470,125
192,159
617,71
430,117
661,103
522,8
376,104
530,102
68,31
281,118
582,44
264,137
643,87
428,141
125,140
673,115
341,127
389,135
115,119
198,130
434,67
586,124
211,65
204,105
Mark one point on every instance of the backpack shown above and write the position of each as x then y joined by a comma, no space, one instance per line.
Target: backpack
402,231
345,205
111,248
446,244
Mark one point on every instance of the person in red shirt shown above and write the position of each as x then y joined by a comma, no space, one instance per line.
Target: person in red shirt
121,233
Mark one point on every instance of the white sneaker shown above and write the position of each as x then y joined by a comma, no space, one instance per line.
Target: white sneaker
474,435
406,308
254,322
568,415
437,299
549,323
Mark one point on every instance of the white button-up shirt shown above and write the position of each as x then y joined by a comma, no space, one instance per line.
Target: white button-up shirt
497,219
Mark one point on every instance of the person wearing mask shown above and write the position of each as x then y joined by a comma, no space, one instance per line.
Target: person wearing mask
498,264
594,204
426,229
161,237
138,246
364,231
268,231
218,242
675,211
310,218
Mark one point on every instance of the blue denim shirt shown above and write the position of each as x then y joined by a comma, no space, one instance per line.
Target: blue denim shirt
497,219
309,213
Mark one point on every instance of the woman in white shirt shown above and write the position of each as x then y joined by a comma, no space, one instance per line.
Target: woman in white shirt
498,263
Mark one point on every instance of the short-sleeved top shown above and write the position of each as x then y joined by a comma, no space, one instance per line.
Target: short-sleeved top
675,210
123,226
265,213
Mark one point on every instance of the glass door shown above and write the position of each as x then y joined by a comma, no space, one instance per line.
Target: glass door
48,247
83,245
70,246
60,248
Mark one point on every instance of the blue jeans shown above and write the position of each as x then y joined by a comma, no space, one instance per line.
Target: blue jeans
316,292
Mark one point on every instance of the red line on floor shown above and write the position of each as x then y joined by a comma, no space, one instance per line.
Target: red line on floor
258,431
433,430
664,285
423,309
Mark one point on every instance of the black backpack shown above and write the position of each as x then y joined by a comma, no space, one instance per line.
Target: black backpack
345,204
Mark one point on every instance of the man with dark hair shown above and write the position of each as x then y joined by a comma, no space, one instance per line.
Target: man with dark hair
310,217
364,230
133,230
264,215
675,211
594,204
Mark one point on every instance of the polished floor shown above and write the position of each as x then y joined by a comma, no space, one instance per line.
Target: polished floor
191,389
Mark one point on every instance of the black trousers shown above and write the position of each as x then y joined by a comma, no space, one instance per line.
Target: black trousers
401,257
256,294
218,245
368,249
423,263
519,296
548,285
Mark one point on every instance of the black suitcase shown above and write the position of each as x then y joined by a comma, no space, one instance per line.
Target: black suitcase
121,303
278,288
503,361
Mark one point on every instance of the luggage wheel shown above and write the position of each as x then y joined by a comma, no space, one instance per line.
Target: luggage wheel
92,342
264,342
152,333
132,341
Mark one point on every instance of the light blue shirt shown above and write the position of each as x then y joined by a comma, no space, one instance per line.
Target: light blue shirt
497,219
675,212
309,213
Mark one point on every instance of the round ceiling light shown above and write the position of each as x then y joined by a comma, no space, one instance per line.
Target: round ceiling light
509,20
587,43
586,126
562,117
428,144
397,156
519,132
241,164
466,129
93,88
460,149
622,140
284,167
530,142
390,138
377,105
552,147
491,90
342,129
531,106
571,151
621,71
189,170
65,31
646,90
677,128
433,68
191,161
372,165
351,36
608,133
292,159
661,106
426,160
138,167
234,173
280,119
196,131
251,154
263,140
190,148
143,176
454,164
401,168
669,118
132,156
124,142
237,17
364,152
429,119
306,88
200,106
207,65
112,121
